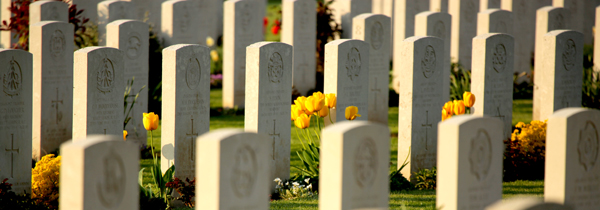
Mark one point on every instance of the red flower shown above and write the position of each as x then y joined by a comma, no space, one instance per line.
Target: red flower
265,21
275,29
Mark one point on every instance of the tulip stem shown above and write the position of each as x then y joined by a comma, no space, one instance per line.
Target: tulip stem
152,144
303,146
329,117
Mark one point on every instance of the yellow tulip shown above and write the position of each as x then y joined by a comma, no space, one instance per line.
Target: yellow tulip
459,107
469,99
448,107
210,41
124,135
296,111
300,102
314,104
323,113
150,121
303,121
352,113
330,100
318,95
214,55
445,115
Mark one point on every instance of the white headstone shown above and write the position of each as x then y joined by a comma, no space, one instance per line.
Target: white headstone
89,7
98,87
572,144
576,14
492,77
494,21
464,28
268,94
344,11
469,169
597,42
437,24
347,76
354,166
99,172
559,79
376,31
52,49
589,21
109,11
300,20
131,37
438,6
179,22
148,11
208,11
15,122
420,102
237,165
7,38
526,203
48,10
488,4
186,105
243,27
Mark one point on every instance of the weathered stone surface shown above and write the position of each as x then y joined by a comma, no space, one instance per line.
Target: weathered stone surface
186,105
469,168
558,83
15,118
179,22
576,19
354,166
237,163
488,4
437,24
299,18
131,37
347,76
242,27
572,142
376,31
438,6
420,102
149,11
268,93
99,172
464,28
109,11
345,11
526,203
98,87
494,21
51,43
208,14
89,7
492,76
48,10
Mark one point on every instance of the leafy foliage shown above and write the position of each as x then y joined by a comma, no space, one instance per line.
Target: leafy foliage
397,180
45,181
591,88
460,81
524,157
10,200
425,179
160,182
293,188
129,105
327,30
186,191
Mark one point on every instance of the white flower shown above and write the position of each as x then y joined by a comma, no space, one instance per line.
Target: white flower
295,183
287,183
306,180
309,186
277,179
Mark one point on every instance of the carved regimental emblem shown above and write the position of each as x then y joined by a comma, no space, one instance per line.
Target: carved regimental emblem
353,64
243,176
111,187
365,163
376,35
57,44
121,13
428,61
499,58
439,30
134,46
569,55
53,15
192,73
480,155
12,79
275,68
587,147
184,20
559,22
105,76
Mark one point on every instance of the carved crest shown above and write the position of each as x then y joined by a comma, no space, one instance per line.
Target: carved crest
365,163
439,30
499,58
587,147
105,76
243,176
428,62
134,45
480,155
53,15
559,22
192,73
275,68
569,55
111,187
376,35
353,64
57,44
12,79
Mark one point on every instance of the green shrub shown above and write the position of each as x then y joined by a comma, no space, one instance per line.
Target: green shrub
10,200
425,179
460,81
397,181
186,191
292,188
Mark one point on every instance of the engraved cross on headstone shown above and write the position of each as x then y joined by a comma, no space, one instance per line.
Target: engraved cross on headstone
12,150
498,115
193,135
273,135
426,125
375,90
55,104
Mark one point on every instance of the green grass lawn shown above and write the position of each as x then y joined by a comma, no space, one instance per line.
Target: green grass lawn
415,199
